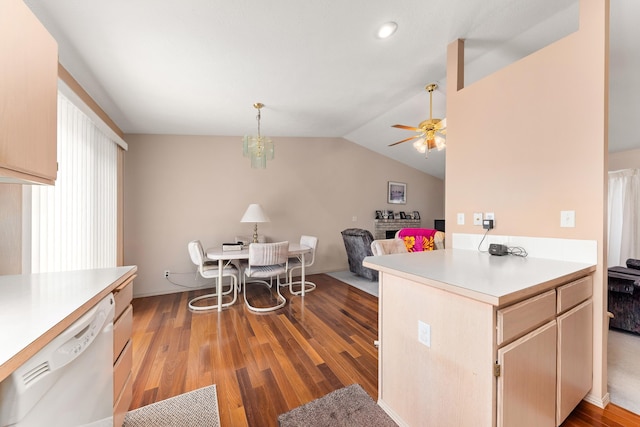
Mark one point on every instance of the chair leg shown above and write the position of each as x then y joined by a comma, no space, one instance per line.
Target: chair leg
233,288
280,298
309,286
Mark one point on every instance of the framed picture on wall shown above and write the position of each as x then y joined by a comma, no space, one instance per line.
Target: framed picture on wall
397,192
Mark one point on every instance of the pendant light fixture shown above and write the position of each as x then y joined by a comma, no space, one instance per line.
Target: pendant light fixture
258,148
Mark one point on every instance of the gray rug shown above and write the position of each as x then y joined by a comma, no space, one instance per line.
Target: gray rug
349,407
356,281
197,408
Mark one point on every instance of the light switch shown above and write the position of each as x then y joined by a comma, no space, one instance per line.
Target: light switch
567,219
460,219
424,333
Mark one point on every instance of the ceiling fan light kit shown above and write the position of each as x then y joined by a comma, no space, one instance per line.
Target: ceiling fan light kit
387,29
430,132
258,148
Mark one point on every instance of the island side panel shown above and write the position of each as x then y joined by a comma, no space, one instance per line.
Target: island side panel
449,383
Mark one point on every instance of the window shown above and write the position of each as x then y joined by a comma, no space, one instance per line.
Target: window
74,223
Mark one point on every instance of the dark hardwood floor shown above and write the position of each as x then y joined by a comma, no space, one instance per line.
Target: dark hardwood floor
266,364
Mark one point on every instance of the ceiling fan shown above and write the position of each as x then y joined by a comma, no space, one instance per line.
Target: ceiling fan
430,132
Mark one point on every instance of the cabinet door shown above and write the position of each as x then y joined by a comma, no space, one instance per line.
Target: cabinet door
28,96
527,380
575,357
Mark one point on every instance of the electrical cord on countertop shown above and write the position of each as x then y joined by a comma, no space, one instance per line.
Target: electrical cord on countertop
480,244
511,250
517,251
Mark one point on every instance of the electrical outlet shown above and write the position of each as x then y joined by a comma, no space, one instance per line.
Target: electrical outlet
166,273
424,333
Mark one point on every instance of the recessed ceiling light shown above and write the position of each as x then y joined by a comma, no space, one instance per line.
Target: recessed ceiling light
387,30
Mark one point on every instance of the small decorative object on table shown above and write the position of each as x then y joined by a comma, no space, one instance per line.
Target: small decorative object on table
378,214
416,215
232,246
403,215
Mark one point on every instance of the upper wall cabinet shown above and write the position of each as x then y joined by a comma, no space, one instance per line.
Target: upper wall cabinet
28,97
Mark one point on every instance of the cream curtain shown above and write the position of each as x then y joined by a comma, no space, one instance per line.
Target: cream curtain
74,223
624,213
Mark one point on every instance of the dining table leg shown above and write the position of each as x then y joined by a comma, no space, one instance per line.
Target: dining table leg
302,278
219,285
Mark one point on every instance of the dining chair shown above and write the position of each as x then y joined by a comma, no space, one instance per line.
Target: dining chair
208,269
296,262
266,261
388,246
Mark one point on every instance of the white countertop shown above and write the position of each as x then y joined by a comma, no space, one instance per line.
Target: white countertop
32,305
497,280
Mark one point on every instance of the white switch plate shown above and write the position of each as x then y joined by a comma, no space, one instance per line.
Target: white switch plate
460,219
477,218
354,218
490,215
567,219
424,333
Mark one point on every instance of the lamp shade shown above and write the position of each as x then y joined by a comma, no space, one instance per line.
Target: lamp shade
254,213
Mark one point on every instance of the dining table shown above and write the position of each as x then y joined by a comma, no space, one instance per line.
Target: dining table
218,254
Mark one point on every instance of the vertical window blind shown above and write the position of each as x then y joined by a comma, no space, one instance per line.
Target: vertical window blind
74,223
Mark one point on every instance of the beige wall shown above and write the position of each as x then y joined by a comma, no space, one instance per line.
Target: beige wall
531,140
629,159
179,188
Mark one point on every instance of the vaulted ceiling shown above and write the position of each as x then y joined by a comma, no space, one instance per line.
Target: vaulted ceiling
196,67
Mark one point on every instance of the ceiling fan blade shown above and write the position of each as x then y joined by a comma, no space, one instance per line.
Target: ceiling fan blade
406,139
407,127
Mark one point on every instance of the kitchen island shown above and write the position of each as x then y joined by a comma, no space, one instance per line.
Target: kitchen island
467,338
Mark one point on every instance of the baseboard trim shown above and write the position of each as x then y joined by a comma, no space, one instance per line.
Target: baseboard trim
395,417
600,402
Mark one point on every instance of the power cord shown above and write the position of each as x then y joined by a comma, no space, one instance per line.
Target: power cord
511,250
480,244
198,286
517,251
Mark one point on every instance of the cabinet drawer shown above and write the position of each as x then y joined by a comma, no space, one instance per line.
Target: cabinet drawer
525,316
123,295
121,406
121,370
574,293
122,331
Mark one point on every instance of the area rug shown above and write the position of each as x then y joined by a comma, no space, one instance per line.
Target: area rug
197,408
350,406
356,281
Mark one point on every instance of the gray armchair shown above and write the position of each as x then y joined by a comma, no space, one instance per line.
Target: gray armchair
357,243
624,296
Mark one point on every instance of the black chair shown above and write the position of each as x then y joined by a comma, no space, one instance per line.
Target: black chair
357,243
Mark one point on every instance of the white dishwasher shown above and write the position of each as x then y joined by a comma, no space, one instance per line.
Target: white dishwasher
69,382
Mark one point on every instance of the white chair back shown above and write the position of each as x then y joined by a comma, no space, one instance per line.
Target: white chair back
312,242
196,252
261,254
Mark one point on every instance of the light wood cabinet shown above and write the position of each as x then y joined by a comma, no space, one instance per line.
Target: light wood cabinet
28,97
575,358
527,380
526,363
122,352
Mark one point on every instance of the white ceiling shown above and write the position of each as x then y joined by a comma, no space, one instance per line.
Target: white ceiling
197,66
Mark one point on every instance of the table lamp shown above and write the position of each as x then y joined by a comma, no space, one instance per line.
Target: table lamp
255,214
